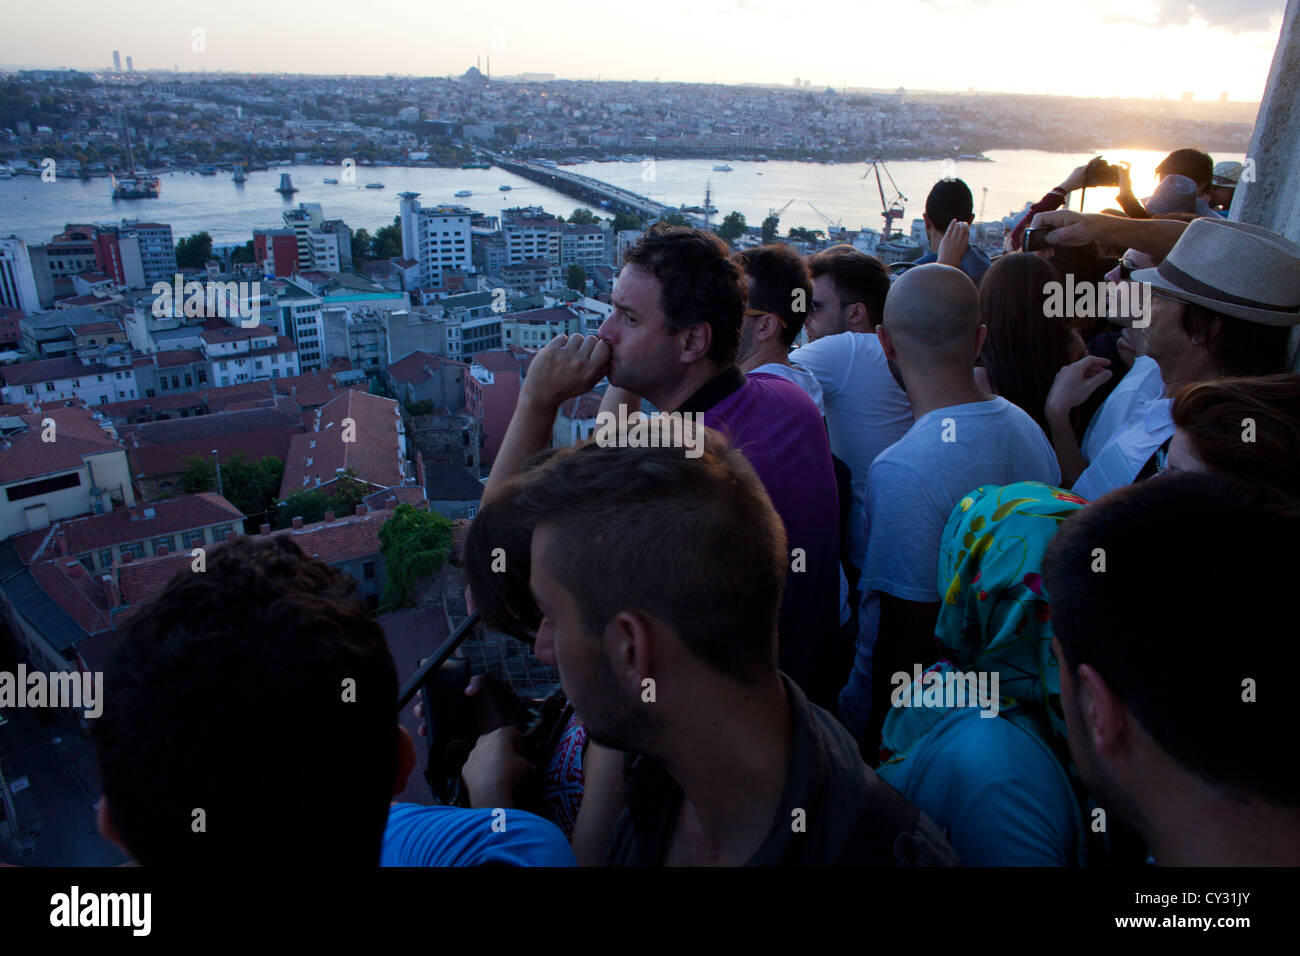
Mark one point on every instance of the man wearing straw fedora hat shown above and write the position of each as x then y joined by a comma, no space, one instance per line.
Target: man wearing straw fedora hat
1223,301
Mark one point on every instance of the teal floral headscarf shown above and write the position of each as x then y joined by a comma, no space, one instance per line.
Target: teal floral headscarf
995,617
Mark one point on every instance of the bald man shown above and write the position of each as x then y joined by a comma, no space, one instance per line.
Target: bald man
961,437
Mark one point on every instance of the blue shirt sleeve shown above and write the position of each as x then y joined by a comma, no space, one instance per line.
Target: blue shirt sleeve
453,836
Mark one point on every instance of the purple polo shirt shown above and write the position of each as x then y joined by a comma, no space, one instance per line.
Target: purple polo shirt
776,426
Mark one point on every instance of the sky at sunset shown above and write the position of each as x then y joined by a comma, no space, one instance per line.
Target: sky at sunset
1075,47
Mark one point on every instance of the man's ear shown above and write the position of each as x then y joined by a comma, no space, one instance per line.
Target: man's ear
769,327
1104,715
886,344
405,759
107,828
695,342
630,640
859,320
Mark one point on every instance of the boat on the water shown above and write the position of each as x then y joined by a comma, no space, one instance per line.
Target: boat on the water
505,189
331,180
463,193
721,168
374,185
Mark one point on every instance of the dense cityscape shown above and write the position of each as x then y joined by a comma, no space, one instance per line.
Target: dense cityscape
362,398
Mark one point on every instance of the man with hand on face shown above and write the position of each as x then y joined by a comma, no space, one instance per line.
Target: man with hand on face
672,339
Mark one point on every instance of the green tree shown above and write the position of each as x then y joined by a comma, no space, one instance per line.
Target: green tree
251,485
361,245
243,253
732,228
770,225
626,220
800,234
582,216
388,240
674,219
577,278
193,252
414,544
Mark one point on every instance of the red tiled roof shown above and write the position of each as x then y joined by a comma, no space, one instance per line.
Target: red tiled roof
407,495
158,461
220,399
419,366
125,524
71,586
543,316
316,457
582,407
77,434
509,359
47,370
343,539
216,331
95,327
143,580
174,357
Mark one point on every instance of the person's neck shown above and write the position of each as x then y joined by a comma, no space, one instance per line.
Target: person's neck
928,389
933,238
771,352
731,761
675,394
1191,369
1195,824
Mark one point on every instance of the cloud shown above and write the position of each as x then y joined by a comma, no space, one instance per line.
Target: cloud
1234,16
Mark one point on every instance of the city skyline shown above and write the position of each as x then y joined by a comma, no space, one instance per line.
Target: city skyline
987,45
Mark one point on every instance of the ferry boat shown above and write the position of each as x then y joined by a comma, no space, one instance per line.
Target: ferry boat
721,168
463,193
330,180
136,186
374,185
505,189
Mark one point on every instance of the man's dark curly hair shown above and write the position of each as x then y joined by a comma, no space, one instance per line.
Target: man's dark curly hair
228,694
700,281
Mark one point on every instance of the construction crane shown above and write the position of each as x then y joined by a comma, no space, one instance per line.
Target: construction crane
893,209
775,215
833,226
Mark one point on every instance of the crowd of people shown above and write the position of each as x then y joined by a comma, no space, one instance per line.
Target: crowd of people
958,577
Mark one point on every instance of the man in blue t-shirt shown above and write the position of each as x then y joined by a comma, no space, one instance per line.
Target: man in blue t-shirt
950,201
961,438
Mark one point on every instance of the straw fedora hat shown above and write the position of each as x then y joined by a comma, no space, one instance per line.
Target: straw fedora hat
1234,269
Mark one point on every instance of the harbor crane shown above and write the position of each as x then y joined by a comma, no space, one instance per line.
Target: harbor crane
893,209
833,226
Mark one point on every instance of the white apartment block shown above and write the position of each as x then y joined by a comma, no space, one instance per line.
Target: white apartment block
437,238
17,281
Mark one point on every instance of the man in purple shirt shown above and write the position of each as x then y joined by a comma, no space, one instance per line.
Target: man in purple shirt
678,307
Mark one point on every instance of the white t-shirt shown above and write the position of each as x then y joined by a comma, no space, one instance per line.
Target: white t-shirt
866,411
912,488
797,374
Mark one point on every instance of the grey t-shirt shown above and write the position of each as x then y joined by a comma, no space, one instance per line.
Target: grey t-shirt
912,488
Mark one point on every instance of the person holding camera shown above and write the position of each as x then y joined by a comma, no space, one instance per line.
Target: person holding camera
1095,172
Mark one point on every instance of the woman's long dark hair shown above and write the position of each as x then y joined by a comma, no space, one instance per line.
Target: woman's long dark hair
1024,347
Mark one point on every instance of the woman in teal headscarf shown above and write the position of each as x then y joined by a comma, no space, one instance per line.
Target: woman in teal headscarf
991,771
